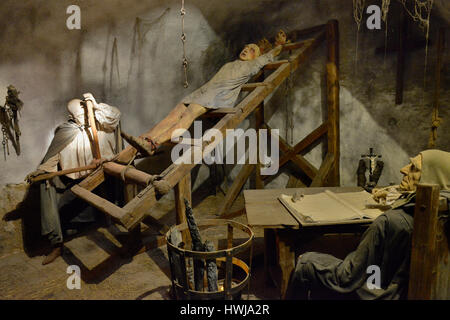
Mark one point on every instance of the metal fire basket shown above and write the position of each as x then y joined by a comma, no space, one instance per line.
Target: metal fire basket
233,273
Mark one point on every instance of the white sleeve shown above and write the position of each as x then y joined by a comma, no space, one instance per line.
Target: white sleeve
51,165
108,116
261,61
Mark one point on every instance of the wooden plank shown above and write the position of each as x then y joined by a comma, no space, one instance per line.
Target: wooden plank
93,180
422,277
101,204
275,65
302,145
264,210
324,170
236,188
333,99
252,86
182,191
305,166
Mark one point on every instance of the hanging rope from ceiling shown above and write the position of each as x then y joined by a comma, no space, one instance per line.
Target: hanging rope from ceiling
384,16
183,40
358,10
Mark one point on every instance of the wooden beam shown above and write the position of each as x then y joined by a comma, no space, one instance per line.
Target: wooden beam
182,191
422,276
101,204
131,175
291,154
333,99
93,180
235,189
62,173
275,65
324,170
91,118
259,123
252,86
298,33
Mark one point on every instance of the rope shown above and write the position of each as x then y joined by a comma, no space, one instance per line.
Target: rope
385,10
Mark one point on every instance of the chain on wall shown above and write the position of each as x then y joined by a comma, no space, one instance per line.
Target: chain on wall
183,40
9,119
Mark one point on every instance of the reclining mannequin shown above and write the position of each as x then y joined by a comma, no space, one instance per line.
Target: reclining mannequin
220,92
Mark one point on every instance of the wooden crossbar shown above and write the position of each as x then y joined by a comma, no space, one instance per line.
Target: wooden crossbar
136,209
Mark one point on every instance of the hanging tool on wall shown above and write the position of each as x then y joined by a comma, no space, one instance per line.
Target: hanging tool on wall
375,165
9,119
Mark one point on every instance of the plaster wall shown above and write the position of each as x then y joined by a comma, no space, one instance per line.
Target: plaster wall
51,65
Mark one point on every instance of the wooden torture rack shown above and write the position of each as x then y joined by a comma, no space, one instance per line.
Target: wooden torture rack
177,176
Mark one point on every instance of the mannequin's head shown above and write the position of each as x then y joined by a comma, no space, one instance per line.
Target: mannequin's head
411,173
281,37
250,52
76,110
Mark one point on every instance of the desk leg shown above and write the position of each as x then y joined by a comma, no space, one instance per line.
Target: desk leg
269,255
286,258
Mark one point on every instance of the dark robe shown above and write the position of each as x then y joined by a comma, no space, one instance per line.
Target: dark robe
386,244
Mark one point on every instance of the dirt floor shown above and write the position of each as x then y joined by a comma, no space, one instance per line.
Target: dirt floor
107,271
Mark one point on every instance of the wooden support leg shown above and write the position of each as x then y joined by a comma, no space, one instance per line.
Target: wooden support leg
233,192
259,122
286,258
422,278
182,191
269,255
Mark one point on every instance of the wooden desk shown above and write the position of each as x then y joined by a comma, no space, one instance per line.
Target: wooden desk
265,211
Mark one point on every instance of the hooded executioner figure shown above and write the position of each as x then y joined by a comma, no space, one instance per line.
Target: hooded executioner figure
71,148
386,243
221,91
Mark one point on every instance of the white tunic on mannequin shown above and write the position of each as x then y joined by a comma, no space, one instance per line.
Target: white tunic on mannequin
78,153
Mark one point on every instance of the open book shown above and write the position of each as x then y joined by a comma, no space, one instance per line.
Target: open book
328,206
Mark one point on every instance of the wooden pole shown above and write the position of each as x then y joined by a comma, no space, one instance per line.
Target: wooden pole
422,275
62,172
332,33
182,191
91,117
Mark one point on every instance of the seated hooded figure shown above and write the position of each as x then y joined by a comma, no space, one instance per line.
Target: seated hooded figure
221,91
71,148
386,244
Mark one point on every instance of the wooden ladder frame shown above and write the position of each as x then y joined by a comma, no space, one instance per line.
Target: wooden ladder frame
178,175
